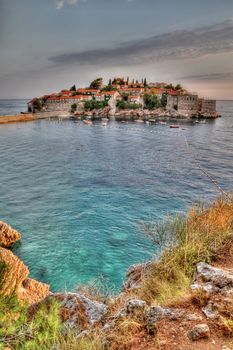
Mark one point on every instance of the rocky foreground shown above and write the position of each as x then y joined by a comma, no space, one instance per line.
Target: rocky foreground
200,319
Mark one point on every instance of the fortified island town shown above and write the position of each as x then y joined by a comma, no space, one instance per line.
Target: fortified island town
124,100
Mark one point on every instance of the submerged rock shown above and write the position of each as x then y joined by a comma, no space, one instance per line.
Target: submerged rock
14,280
8,235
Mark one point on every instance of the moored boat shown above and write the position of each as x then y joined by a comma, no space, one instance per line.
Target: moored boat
174,126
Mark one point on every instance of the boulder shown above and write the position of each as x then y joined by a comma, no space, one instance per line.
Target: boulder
135,306
135,275
210,311
157,313
8,235
212,279
14,280
199,331
79,311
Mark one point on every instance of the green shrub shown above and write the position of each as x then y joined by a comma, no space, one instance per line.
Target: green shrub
90,105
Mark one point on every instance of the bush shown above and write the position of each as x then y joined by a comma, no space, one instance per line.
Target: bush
73,107
90,105
127,105
151,102
37,106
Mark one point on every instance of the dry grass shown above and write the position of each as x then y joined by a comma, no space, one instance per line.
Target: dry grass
199,237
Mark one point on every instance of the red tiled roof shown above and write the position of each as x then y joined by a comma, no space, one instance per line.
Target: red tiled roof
131,89
109,92
87,90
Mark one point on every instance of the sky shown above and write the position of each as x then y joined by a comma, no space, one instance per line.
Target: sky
49,45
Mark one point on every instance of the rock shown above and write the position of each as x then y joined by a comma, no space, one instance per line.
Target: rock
193,317
199,331
14,280
157,313
154,314
135,274
207,287
212,279
210,312
8,235
135,306
78,310
174,314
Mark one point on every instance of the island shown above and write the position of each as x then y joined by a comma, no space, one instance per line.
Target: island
124,99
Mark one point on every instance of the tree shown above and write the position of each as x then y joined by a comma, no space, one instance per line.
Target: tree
73,88
96,84
110,82
125,96
163,100
178,87
145,82
73,107
127,105
151,101
36,105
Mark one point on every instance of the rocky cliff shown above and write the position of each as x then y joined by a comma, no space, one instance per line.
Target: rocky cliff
8,235
14,273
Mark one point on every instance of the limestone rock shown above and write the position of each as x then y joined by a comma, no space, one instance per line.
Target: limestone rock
193,317
199,331
135,306
8,235
15,279
157,313
210,312
135,274
212,279
78,310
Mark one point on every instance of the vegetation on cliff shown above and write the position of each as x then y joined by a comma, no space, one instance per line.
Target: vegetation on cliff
157,308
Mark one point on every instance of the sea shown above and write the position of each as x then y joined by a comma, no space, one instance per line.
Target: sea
80,194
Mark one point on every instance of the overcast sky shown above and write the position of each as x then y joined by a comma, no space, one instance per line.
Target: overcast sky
47,45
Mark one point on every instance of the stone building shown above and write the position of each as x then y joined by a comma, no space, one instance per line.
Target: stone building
172,102
207,106
188,105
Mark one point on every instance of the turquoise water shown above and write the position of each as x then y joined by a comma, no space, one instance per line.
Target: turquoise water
78,193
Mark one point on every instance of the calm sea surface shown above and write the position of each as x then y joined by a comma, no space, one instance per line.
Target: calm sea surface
78,193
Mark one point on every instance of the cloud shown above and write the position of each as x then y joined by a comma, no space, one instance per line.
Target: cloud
61,3
210,77
179,44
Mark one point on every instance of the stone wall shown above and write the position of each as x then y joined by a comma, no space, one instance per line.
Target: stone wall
188,105
172,102
208,106
56,105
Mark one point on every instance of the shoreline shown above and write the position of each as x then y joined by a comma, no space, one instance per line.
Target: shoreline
95,115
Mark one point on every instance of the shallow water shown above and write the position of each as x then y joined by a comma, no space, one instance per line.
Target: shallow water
78,193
